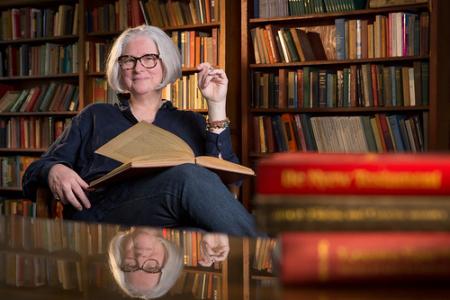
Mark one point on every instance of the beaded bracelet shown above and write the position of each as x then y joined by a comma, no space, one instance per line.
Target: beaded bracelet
220,124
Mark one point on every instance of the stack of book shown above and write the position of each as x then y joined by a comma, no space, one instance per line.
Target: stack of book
357,218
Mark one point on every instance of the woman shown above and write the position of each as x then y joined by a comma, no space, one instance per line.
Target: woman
142,61
143,263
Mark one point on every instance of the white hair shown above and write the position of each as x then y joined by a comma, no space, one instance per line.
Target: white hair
169,273
169,55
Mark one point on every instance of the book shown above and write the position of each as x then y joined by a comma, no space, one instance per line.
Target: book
354,173
387,3
280,213
364,258
8,100
145,147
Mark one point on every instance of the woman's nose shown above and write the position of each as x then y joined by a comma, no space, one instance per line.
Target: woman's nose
146,253
139,67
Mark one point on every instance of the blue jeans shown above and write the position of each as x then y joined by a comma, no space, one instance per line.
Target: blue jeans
182,196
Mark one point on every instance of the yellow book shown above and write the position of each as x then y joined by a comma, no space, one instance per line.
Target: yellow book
146,147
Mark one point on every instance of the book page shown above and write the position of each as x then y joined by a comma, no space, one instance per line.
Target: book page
140,167
216,163
142,141
229,172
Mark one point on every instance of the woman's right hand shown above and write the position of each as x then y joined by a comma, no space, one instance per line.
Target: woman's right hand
68,187
213,247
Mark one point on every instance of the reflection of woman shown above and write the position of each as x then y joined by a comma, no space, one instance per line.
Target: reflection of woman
213,247
143,263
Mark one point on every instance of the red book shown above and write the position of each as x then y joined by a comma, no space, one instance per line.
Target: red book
4,88
58,128
386,135
282,88
362,174
370,258
270,142
32,102
207,11
288,124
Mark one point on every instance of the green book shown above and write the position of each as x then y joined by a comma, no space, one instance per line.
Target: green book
22,97
306,87
47,99
368,133
290,43
399,87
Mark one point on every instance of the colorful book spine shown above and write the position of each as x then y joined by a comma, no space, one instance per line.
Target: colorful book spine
366,174
369,258
279,213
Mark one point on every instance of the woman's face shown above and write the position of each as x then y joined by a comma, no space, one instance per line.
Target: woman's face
139,80
142,245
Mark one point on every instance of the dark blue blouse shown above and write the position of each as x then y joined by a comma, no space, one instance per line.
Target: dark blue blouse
98,123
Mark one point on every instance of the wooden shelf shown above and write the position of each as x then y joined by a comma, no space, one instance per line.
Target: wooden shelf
264,277
193,26
34,3
200,269
184,70
10,189
50,39
340,62
340,110
326,16
206,26
39,113
42,77
22,150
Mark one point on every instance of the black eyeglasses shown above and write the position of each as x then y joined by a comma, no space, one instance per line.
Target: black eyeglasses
128,62
149,266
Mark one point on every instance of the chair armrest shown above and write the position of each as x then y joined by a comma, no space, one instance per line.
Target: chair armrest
46,204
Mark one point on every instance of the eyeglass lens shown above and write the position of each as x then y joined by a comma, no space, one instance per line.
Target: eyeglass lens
149,266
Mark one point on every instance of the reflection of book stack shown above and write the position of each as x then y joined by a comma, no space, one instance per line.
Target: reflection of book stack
350,212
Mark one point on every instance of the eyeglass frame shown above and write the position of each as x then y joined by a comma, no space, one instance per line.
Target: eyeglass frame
137,267
155,57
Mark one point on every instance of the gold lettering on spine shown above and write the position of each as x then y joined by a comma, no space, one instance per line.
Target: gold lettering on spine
325,214
361,179
323,249
323,180
430,180
292,178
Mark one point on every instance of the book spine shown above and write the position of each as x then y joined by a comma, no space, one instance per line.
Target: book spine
279,213
321,258
340,38
396,174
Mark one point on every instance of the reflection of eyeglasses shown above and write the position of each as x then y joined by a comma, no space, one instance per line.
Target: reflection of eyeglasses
149,266
128,62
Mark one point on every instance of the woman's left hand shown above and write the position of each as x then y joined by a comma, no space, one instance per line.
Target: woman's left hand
213,83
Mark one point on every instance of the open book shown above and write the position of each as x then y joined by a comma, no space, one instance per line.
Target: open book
145,147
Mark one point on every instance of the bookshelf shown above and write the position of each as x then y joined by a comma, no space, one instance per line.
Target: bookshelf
56,258
93,26
331,91
258,268
40,68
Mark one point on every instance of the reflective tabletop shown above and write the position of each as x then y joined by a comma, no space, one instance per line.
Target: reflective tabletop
56,259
